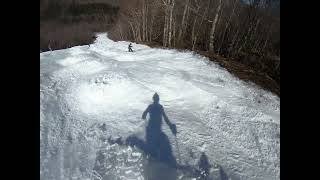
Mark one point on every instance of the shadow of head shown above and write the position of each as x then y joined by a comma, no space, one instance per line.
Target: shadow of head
203,164
156,98
204,170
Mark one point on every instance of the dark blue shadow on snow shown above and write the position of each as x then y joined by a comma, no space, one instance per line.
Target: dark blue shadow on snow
161,163
156,145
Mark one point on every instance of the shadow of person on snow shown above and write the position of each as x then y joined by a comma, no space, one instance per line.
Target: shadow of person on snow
161,162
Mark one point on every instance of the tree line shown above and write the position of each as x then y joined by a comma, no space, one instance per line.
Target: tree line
230,25
228,28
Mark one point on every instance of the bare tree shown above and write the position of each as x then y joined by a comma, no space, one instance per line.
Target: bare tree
214,25
228,24
184,19
166,20
171,6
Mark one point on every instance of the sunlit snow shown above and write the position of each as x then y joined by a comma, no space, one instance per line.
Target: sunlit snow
91,94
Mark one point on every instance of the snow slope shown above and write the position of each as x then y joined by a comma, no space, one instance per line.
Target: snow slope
90,94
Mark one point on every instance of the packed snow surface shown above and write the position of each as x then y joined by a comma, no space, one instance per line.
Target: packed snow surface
92,99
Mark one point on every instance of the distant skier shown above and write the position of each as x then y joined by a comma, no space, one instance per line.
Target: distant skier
130,48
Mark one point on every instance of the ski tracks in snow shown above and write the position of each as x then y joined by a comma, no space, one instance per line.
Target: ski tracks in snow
236,124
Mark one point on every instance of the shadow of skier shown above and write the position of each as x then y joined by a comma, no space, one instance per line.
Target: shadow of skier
161,162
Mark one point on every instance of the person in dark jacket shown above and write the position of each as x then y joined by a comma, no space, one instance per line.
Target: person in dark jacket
130,48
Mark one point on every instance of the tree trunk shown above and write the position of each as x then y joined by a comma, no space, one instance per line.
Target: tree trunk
165,27
120,32
170,22
133,31
164,41
228,23
213,28
151,28
200,25
265,42
255,36
246,37
174,34
182,29
146,19
143,20
233,42
193,34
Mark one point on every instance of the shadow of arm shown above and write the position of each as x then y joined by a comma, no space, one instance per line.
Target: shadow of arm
172,126
144,114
